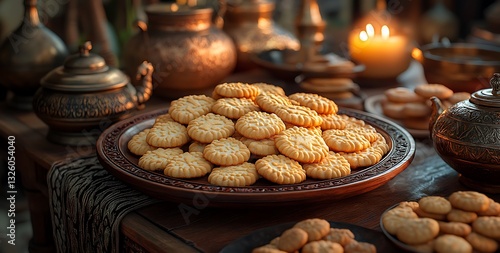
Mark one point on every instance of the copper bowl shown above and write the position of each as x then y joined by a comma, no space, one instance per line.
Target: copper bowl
460,66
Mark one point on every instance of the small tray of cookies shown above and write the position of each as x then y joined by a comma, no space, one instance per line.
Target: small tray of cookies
411,108
464,221
251,144
312,235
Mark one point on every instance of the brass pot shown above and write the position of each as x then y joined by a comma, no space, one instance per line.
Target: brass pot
29,53
467,137
84,96
190,54
250,24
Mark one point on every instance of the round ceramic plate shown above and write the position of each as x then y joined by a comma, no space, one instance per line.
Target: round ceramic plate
373,105
114,156
265,235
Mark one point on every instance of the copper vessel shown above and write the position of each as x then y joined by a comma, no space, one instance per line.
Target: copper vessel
250,24
84,96
189,52
467,137
29,53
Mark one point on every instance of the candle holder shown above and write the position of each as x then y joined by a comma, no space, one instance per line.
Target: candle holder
375,42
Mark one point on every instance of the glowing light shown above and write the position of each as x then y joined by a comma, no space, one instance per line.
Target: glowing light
385,32
174,7
369,30
363,36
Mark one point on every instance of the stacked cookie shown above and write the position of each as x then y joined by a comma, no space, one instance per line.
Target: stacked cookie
413,108
315,235
249,131
464,222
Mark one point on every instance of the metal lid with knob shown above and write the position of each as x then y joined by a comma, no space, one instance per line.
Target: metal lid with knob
84,72
488,97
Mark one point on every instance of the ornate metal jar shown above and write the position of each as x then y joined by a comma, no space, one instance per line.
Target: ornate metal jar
28,54
467,137
190,54
250,24
84,96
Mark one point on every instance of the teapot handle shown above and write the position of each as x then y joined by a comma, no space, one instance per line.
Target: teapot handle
144,73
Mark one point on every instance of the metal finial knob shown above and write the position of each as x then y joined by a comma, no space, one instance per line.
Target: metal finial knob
495,84
85,48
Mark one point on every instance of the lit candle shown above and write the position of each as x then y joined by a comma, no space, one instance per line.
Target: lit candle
384,55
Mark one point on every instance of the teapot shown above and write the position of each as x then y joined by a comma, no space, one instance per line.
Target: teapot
467,137
84,96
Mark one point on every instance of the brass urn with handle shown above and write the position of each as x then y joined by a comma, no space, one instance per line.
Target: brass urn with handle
81,98
189,52
467,137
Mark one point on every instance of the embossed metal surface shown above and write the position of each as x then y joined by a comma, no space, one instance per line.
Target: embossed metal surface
114,155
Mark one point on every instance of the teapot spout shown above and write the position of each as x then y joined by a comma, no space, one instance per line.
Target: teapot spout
437,109
144,73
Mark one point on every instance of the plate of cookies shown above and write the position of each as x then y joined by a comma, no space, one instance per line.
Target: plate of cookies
251,144
464,221
411,108
312,235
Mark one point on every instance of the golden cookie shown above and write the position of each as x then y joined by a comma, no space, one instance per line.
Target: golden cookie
360,247
341,236
138,144
268,249
397,217
237,90
367,131
210,127
416,110
157,159
322,247
454,228
270,88
315,102
237,175
163,118
452,244
418,231
363,158
332,121
292,239
299,115
332,166
433,90
269,102
402,95
424,214
461,216
226,152
458,96
493,209
435,204
345,140
190,107
259,125
260,147
410,204
488,226
393,110
168,135
188,165
234,108
416,123
315,228
280,169
197,146
482,243
301,145
427,247
469,201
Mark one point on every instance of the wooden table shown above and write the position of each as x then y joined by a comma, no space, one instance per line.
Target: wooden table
167,227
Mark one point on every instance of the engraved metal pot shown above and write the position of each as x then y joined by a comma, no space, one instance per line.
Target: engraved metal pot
250,24
467,137
84,96
28,54
189,52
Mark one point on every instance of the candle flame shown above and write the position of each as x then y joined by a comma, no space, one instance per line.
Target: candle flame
370,30
363,36
174,7
385,32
